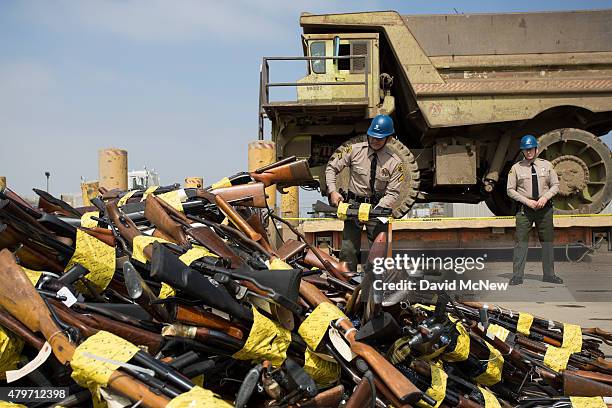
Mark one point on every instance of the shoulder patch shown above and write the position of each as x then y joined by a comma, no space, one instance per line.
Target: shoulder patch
400,168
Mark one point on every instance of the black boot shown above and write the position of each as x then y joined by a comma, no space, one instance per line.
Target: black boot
552,279
516,281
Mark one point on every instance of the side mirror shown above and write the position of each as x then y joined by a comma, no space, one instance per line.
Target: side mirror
336,48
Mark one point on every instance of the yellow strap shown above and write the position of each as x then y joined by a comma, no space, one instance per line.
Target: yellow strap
437,390
90,372
493,373
364,212
462,347
123,200
172,198
10,350
86,220
431,308
490,400
33,276
587,402
199,380
525,321
267,340
166,291
148,191
557,357
322,371
198,397
140,243
278,263
314,327
6,404
194,254
498,331
97,257
342,210
572,337
224,182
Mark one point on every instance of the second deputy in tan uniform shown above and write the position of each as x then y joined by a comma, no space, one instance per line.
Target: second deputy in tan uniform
375,177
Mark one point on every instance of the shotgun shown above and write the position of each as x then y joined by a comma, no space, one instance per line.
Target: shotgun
34,314
50,204
249,195
352,212
197,317
207,237
154,212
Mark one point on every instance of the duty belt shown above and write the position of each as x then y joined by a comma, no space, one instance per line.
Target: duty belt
364,199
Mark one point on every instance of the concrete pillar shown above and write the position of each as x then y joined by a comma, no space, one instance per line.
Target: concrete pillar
194,182
262,153
2,182
89,190
290,208
112,168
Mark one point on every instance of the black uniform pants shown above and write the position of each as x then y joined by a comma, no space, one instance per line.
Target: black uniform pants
543,219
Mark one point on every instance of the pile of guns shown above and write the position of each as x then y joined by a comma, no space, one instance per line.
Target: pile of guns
177,297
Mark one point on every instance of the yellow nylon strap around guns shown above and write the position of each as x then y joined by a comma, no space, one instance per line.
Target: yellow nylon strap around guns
6,404
86,220
224,182
322,371
123,200
492,374
195,253
525,321
342,211
557,357
33,276
364,212
173,198
498,331
10,350
572,337
462,346
267,340
140,243
588,402
97,257
148,191
489,399
198,397
437,390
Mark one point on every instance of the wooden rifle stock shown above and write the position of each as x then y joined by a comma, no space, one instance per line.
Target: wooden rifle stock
101,234
337,268
207,237
400,386
250,195
19,297
290,249
289,174
601,377
325,399
508,352
361,396
196,317
254,220
9,322
579,386
154,212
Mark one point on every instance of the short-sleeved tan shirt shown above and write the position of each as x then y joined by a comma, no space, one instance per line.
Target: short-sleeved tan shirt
519,185
358,158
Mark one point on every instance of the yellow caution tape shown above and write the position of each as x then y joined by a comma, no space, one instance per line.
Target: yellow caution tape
90,372
572,337
278,263
148,191
462,346
194,254
490,400
364,212
224,182
498,331
172,198
322,371
314,327
166,291
6,404
431,308
525,321
33,276
437,390
140,243
435,354
557,357
123,200
86,220
97,257
267,340
588,402
10,350
492,374
199,380
342,211
198,397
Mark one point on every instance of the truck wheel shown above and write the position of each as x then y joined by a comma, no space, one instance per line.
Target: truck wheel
498,202
584,166
410,184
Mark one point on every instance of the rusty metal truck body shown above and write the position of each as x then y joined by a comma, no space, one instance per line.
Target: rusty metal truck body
462,90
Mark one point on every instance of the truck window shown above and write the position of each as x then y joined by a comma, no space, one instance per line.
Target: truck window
317,49
344,64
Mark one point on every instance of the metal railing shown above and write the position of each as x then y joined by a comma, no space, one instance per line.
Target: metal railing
265,84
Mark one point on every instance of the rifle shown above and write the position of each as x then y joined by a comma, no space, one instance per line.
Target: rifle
116,193
154,212
9,322
197,317
34,314
207,237
398,384
352,212
50,204
249,195
325,399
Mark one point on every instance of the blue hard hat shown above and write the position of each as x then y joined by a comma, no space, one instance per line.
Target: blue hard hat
381,127
528,142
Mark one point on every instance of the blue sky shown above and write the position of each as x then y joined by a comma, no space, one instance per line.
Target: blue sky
173,82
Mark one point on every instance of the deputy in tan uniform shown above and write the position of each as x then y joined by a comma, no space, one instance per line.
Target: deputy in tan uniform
375,177
533,182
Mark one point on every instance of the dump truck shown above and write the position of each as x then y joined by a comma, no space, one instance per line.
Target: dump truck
462,90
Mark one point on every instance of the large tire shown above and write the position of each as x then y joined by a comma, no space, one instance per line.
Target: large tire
584,165
410,185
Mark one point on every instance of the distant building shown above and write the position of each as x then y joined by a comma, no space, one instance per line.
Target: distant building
142,179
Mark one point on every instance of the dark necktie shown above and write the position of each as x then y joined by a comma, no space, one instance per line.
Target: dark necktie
535,189
373,173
